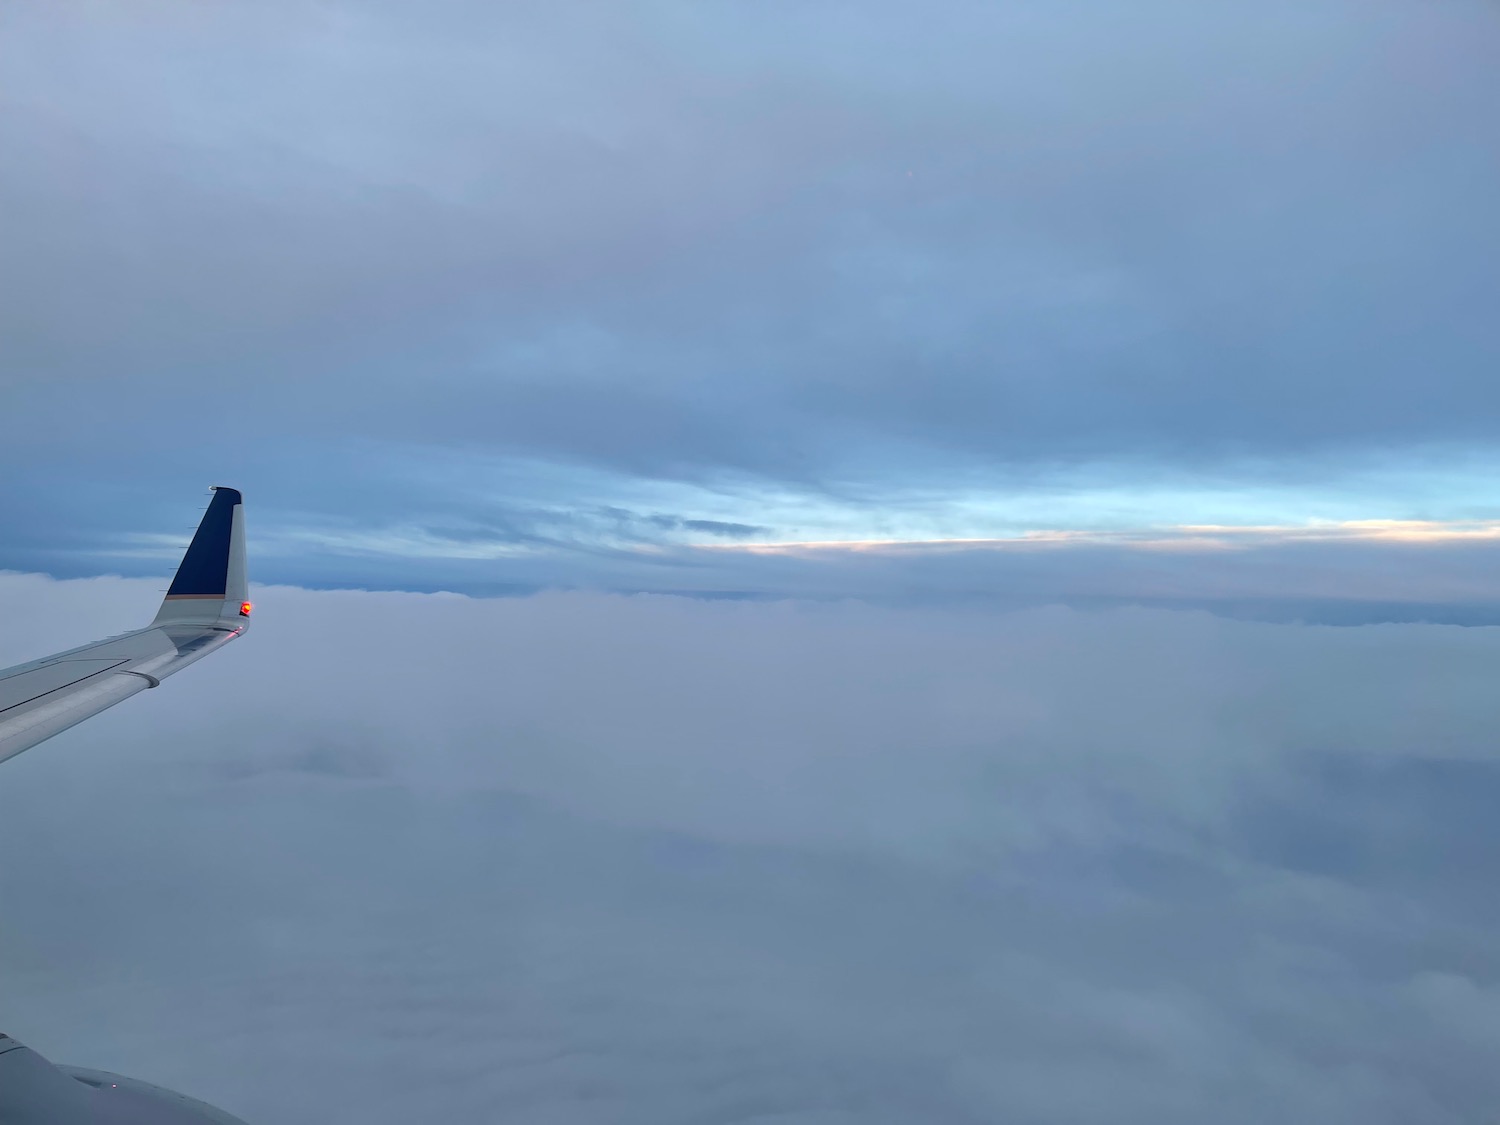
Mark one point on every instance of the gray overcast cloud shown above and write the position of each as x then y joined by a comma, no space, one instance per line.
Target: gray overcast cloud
600,860
925,447
372,261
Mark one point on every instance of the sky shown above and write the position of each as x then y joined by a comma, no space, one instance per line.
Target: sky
495,298
816,563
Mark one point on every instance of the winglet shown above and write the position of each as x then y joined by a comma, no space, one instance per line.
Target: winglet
210,586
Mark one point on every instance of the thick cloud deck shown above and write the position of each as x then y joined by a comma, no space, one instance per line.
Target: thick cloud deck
586,859
478,281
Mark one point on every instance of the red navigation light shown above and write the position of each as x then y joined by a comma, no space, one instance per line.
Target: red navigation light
245,608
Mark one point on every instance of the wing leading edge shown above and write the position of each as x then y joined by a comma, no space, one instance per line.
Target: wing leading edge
205,608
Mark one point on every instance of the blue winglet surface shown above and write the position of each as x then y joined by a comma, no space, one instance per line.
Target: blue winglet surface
205,568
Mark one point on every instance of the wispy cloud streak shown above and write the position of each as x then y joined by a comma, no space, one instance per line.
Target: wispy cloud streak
1186,537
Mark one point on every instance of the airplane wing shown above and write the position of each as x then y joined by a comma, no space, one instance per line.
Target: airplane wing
33,1091
206,607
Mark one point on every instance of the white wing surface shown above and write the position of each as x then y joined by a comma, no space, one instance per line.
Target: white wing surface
206,607
35,1092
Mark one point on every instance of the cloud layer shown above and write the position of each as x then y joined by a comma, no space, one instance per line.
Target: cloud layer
595,859
533,275
956,355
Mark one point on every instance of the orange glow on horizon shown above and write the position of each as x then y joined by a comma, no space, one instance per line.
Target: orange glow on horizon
1177,537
